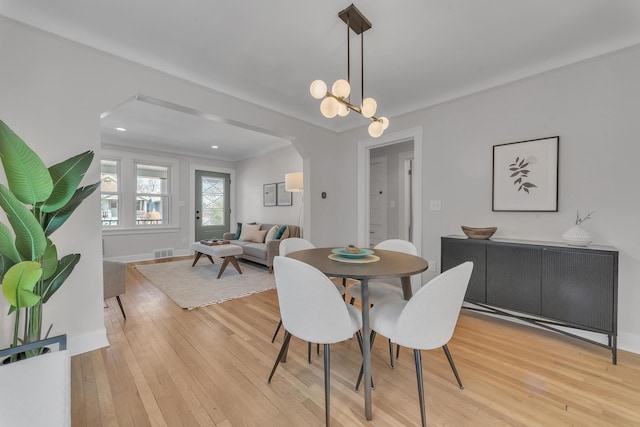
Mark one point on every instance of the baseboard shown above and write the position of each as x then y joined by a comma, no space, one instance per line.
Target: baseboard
629,342
147,256
87,342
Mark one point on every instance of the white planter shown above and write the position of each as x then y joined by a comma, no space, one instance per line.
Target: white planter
576,236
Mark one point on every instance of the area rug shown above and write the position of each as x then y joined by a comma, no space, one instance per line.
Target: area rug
192,287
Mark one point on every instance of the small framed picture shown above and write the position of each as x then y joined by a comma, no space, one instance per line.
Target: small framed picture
525,176
283,196
269,195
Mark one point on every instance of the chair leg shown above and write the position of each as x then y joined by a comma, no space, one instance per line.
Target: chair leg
275,334
121,308
391,353
418,358
317,349
283,349
352,300
309,352
453,366
360,375
327,386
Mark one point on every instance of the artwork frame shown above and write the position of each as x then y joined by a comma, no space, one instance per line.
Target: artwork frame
525,176
269,197
283,197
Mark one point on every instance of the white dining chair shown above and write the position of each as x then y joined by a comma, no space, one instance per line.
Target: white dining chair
426,321
388,290
313,311
294,244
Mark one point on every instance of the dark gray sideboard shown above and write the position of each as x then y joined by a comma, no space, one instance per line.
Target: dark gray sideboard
547,284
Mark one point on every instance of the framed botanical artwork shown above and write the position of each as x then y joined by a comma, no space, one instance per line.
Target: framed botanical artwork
269,195
283,196
525,176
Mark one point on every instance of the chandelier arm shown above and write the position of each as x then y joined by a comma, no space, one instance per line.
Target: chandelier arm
351,106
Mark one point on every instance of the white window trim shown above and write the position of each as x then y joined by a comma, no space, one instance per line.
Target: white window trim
127,190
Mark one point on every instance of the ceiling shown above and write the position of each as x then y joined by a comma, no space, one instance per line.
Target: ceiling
418,53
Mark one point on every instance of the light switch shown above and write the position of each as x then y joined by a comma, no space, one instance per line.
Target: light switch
392,204
435,205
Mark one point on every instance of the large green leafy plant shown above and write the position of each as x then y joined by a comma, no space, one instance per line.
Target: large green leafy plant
37,201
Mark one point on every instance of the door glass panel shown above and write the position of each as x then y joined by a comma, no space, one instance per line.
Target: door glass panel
213,201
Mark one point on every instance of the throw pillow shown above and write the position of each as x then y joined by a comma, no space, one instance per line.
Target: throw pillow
280,232
256,236
271,234
248,228
285,235
238,232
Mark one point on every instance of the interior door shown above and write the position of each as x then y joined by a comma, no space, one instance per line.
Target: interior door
212,206
377,200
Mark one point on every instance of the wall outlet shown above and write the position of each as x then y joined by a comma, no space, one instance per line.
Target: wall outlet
433,265
435,205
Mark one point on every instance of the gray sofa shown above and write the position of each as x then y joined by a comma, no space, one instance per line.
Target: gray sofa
262,253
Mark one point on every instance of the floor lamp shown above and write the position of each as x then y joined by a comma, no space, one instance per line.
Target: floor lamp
293,184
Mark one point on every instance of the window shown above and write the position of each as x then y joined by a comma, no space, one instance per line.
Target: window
152,194
138,192
109,204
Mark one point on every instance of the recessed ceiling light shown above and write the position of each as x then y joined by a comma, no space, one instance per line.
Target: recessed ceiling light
121,129
215,147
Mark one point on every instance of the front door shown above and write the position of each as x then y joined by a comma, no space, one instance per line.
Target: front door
212,204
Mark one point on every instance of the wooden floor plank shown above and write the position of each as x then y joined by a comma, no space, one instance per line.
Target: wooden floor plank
208,367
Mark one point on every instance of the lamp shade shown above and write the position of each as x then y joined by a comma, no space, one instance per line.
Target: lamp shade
293,182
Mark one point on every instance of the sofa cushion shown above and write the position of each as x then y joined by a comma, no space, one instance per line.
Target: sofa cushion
256,236
258,250
247,231
271,234
238,231
281,231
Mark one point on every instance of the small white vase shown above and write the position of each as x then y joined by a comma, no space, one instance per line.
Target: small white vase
576,236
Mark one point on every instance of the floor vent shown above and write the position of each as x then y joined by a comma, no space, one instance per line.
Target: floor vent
163,253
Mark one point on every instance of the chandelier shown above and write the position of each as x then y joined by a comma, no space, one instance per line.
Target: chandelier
338,101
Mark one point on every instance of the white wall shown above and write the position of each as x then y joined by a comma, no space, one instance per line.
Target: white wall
593,107
252,174
53,92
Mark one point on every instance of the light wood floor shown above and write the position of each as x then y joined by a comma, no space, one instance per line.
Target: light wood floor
208,367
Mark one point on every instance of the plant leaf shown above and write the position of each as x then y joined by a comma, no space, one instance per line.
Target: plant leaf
513,169
27,176
525,165
66,177
49,260
30,239
18,284
517,181
65,267
526,189
513,174
5,265
7,247
54,220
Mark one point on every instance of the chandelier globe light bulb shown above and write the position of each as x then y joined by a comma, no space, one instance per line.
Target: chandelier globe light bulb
341,88
343,111
318,89
375,129
329,107
385,123
368,108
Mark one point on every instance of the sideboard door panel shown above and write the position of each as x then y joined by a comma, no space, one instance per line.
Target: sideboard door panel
455,252
513,277
577,287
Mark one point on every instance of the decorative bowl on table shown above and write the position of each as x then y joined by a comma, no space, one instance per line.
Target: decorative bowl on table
479,232
345,253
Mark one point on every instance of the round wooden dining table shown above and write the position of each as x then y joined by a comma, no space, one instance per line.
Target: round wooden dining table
390,264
